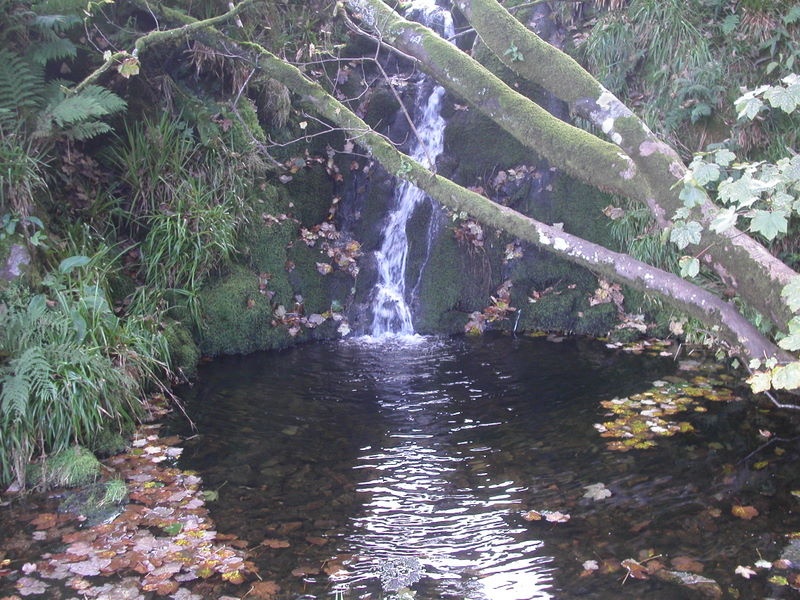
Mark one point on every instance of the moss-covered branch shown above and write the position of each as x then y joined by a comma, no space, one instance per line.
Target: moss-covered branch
743,263
159,37
574,150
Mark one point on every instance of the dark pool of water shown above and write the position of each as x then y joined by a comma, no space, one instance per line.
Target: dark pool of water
340,463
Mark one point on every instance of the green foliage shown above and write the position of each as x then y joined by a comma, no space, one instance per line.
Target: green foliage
22,174
21,90
72,369
514,53
50,45
71,467
77,115
151,160
115,492
657,49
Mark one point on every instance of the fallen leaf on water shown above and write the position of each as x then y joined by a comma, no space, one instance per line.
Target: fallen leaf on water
45,521
744,512
746,572
596,491
264,590
532,515
555,516
635,569
28,586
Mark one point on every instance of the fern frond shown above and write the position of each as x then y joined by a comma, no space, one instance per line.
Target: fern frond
86,131
52,48
21,89
14,398
76,115
56,23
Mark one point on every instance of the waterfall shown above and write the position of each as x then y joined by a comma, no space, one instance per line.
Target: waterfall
391,303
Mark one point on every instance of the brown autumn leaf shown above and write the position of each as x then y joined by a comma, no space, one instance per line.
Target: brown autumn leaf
264,590
744,512
686,563
275,543
317,541
532,515
635,569
45,521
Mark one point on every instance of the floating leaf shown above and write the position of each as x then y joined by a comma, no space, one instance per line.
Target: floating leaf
746,572
744,512
596,491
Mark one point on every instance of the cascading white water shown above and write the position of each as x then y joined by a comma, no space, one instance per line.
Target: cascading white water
390,305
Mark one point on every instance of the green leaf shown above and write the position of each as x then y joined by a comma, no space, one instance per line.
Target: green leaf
769,223
692,195
725,219
742,192
760,382
68,264
690,266
729,24
129,67
704,172
785,98
790,342
685,233
791,293
724,157
748,107
790,167
786,377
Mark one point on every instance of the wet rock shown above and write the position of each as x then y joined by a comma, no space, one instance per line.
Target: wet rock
12,267
703,586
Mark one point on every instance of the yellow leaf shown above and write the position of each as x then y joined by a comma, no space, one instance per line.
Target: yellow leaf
744,512
760,382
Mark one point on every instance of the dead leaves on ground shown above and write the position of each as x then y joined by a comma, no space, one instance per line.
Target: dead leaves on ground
164,535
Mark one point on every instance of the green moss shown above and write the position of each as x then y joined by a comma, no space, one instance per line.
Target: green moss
306,280
311,193
183,351
480,147
381,108
237,316
597,320
108,442
69,468
553,312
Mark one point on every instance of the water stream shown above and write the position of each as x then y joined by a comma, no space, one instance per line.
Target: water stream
391,304
350,467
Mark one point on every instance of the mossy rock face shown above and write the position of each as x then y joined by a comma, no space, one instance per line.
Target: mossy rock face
440,288
237,317
557,311
266,244
311,192
382,107
597,321
183,351
475,147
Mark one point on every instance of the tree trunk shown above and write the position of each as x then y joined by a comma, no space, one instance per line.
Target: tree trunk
647,171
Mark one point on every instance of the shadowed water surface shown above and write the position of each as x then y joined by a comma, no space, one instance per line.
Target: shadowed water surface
357,467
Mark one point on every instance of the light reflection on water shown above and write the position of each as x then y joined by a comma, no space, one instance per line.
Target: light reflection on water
353,454
413,503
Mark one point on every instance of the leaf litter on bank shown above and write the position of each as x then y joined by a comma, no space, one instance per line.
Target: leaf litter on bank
163,538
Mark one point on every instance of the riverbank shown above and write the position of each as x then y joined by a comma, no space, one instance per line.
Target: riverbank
158,542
